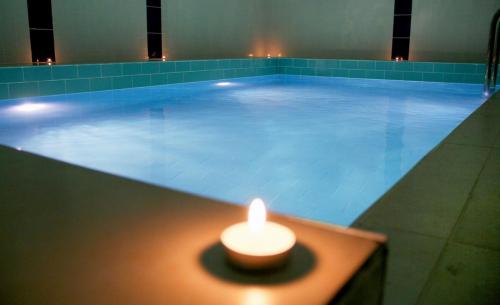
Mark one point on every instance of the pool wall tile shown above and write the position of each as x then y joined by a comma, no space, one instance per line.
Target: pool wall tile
444,67
340,72
403,66
379,69
37,73
132,68
122,82
11,75
51,87
384,65
307,71
481,68
465,68
111,69
87,71
323,72
357,73
415,76
454,77
225,64
366,64
150,67
101,83
64,72
473,78
300,63
159,79
77,85
348,64
181,66
394,75
4,91
167,66
432,77
376,74
45,80
175,77
24,89
423,67
141,80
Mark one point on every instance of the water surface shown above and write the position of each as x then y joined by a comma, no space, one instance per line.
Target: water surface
320,148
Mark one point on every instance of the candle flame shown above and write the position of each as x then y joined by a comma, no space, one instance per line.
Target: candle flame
257,214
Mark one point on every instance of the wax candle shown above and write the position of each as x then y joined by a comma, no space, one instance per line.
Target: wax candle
257,243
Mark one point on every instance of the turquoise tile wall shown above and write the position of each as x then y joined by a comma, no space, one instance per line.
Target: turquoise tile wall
378,69
59,79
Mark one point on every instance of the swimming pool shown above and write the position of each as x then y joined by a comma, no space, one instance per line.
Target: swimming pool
315,147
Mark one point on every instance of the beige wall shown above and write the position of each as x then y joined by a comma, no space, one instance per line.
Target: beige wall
15,45
99,30
451,30
331,28
212,28
115,30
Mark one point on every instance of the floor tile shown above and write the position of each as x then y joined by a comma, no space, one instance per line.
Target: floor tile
480,223
411,259
429,199
477,130
465,275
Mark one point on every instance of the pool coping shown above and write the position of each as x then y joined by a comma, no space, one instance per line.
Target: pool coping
442,239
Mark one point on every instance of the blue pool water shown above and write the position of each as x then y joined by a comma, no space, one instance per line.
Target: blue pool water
320,148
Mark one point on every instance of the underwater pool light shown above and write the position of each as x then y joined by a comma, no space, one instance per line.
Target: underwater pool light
223,84
29,107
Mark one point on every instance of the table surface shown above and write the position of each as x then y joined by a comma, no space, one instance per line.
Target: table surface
70,235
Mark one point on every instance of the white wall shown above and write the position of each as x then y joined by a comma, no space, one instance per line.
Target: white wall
451,30
115,30
212,28
331,28
15,45
99,30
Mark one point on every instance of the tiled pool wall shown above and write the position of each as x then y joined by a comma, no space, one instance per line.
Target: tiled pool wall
378,69
26,81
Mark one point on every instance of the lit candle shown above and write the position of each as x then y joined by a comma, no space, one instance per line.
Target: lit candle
250,55
49,61
164,58
279,54
257,243
268,55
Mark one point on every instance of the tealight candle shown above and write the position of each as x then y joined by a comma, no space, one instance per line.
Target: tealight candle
257,243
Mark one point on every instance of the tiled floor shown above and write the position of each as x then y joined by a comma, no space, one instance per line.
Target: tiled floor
443,220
